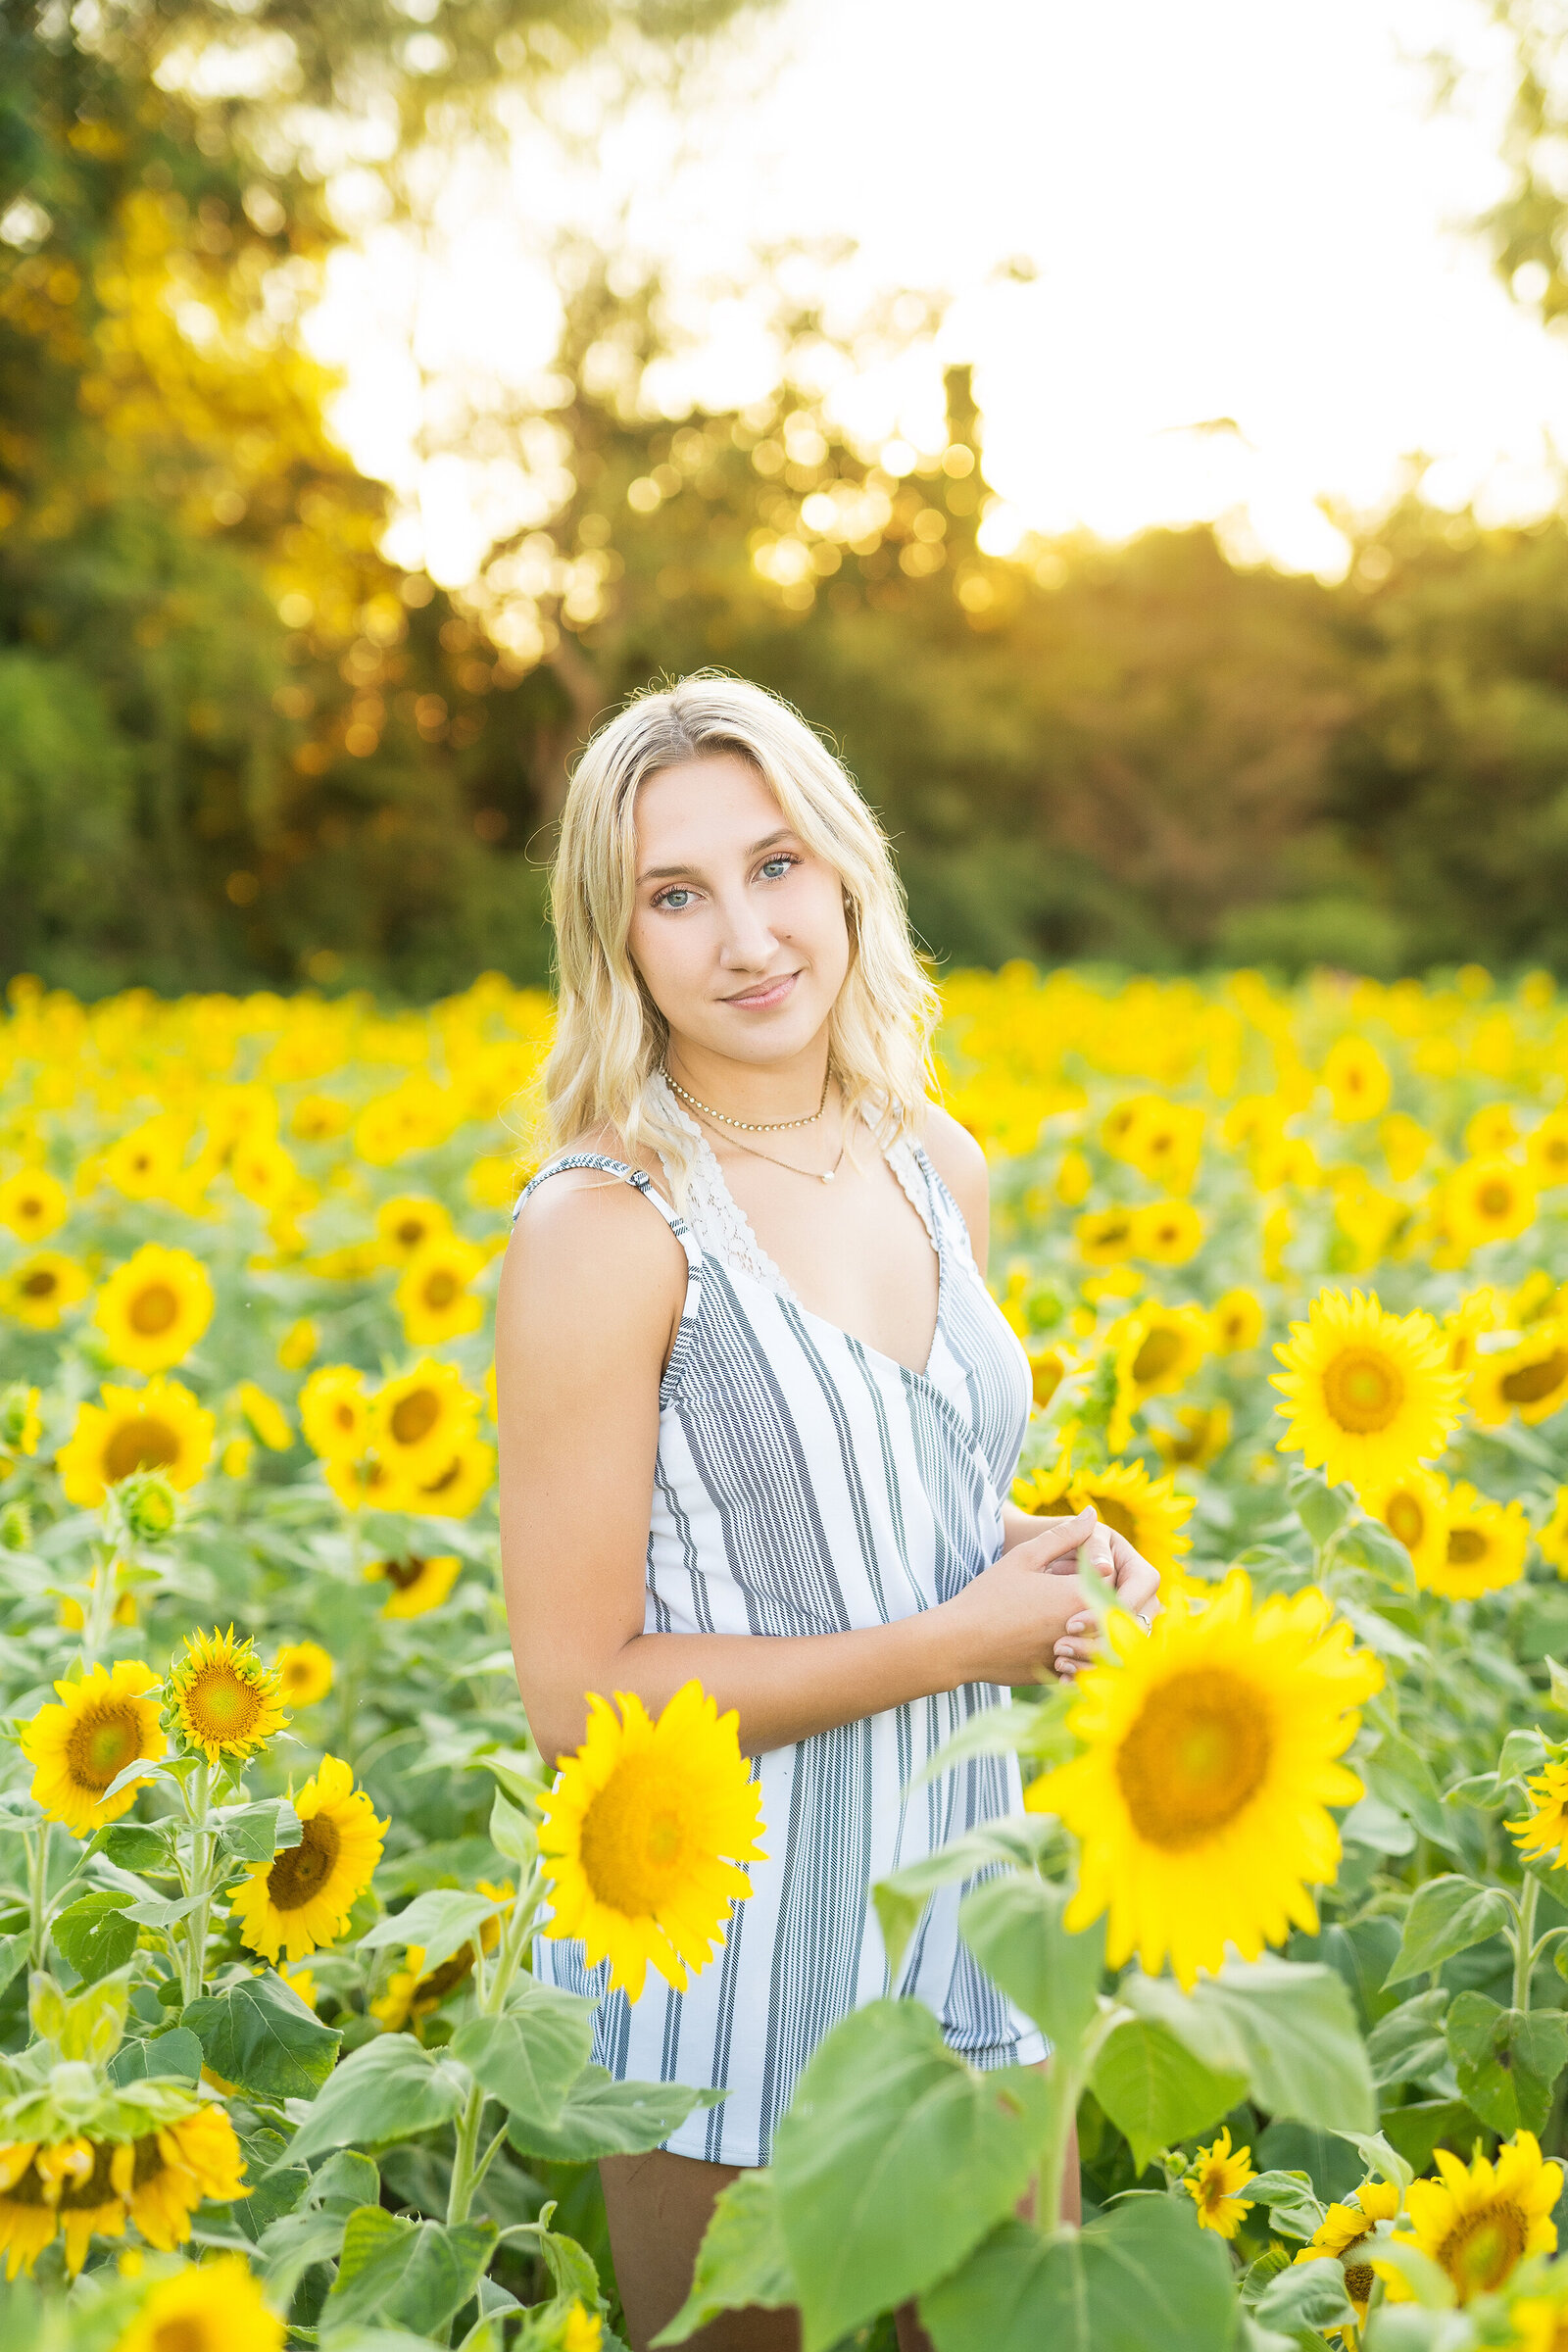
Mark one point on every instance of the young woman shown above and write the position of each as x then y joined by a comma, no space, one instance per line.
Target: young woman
760,1415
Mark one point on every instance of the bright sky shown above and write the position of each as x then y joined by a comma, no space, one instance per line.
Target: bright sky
1236,208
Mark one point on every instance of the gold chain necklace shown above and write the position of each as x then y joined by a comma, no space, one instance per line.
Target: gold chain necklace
817,1175
747,1126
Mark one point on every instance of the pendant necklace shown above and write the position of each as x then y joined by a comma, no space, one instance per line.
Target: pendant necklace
747,1126
817,1175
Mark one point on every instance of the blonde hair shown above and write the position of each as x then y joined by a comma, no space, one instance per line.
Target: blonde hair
610,1037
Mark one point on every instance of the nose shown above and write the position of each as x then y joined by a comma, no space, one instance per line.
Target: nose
748,944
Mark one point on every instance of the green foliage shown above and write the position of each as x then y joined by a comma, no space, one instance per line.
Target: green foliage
1145,2275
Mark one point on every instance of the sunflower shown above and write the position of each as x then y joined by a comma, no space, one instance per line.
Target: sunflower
1554,1537
420,1419
417,1585
1235,1322
1530,1378
1357,1079
301,1983
1479,2222
1547,1150
1148,1511
265,1416
1214,2183
164,2175
1048,1368
38,1289
403,1226
1202,1436
71,2180
1415,1506
302,1898
370,1484
1344,2230
433,1297
1207,1765
1406,1144
412,1994
225,1703
642,1834
213,2306
154,1308
1167,1233
336,1413
1490,1130
304,1673
20,1422
160,1427
145,1164
1368,1393
1486,1546
33,1205
1162,1140
1479,1311
1491,1200
263,1171
584,2330
27,2223
1104,1236
1542,1835
104,1722
461,1486
1540,2321
317,1118
298,1344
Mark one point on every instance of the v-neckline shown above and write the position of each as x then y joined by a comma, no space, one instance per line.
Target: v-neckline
776,1281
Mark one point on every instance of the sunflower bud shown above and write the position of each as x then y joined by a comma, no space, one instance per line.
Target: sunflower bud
147,1506
19,1418
16,1528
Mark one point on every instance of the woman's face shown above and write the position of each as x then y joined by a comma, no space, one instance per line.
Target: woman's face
739,930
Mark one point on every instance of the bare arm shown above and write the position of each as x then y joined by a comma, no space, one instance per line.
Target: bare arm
590,1299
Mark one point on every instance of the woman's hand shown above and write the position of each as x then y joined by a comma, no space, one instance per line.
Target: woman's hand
1009,1620
1135,1583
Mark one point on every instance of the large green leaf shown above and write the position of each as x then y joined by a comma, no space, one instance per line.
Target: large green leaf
176,2052
409,2275
1290,2026
440,1922
1410,2045
94,1935
1156,2090
1018,1842
741,2264
255,1832
1013,1926
390,2089
529,2058
1308,2296
1143,2277
260,2035
893,2161
601,2117
1506,2060
1447,1915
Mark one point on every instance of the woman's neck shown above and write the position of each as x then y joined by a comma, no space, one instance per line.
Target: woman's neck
753,1093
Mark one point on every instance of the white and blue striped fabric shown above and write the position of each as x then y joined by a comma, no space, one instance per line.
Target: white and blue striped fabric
805,1484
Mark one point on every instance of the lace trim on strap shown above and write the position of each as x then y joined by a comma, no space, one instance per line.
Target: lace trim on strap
713,1214
906,1163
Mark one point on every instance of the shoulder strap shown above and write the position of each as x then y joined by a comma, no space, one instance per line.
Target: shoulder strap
642,1182
947,1216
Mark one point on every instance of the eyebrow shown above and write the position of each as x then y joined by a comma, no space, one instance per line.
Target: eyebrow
668,873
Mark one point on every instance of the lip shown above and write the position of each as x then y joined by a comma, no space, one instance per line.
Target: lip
766,994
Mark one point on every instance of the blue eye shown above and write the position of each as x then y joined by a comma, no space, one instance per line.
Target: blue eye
775,867
669,898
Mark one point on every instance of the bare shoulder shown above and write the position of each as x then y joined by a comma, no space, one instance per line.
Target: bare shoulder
588,1237
957,1159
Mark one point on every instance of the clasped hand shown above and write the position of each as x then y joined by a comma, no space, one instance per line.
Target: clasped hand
1026,1614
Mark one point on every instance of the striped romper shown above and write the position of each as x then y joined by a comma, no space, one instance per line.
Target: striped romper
805,1484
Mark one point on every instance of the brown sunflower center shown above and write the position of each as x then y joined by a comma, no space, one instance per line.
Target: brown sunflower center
448,1477
345,1414
1405,1519
1362,1389
222,1704
1160,1351
415,1416
302,1871
139,1443
442,1981
1495,1199
1358,2280
152,1311
182,2331
409,1232
1483,2247
41,1282
1198,1754
633,1837
1466,1546
403,1573
1527,1383
94,2187
1113,1231
102,1744
1116,1515
440,1286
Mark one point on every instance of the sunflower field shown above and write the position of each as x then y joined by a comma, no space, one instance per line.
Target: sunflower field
1290,1894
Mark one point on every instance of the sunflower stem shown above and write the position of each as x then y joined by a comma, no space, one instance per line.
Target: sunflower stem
1524,1941
38,1889
99,1618
465,2160
1065,2084
194,1957
514,1937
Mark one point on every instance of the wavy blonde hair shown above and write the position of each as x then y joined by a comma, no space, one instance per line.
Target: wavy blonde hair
610,1037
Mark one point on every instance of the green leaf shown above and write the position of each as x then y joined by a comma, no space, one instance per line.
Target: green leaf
14,1952
1400,1775
1383,2161
900,1899
176,2052
256,1833
136,1845
390,2089
1369,1545
512,1834
601,2117
1321,1508
161,1911
1559,1680
441,1923
1156,2090
345,2182
84,2025
1376,1827
1447,1915
1289,2026
410,2275
94,1935
1013,1926
1415,2129
1307,2295
1290,2199
893,2162
741,2264
1410,2045
1143,2275
530,2057
1506,2060
994,1732
261,2037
